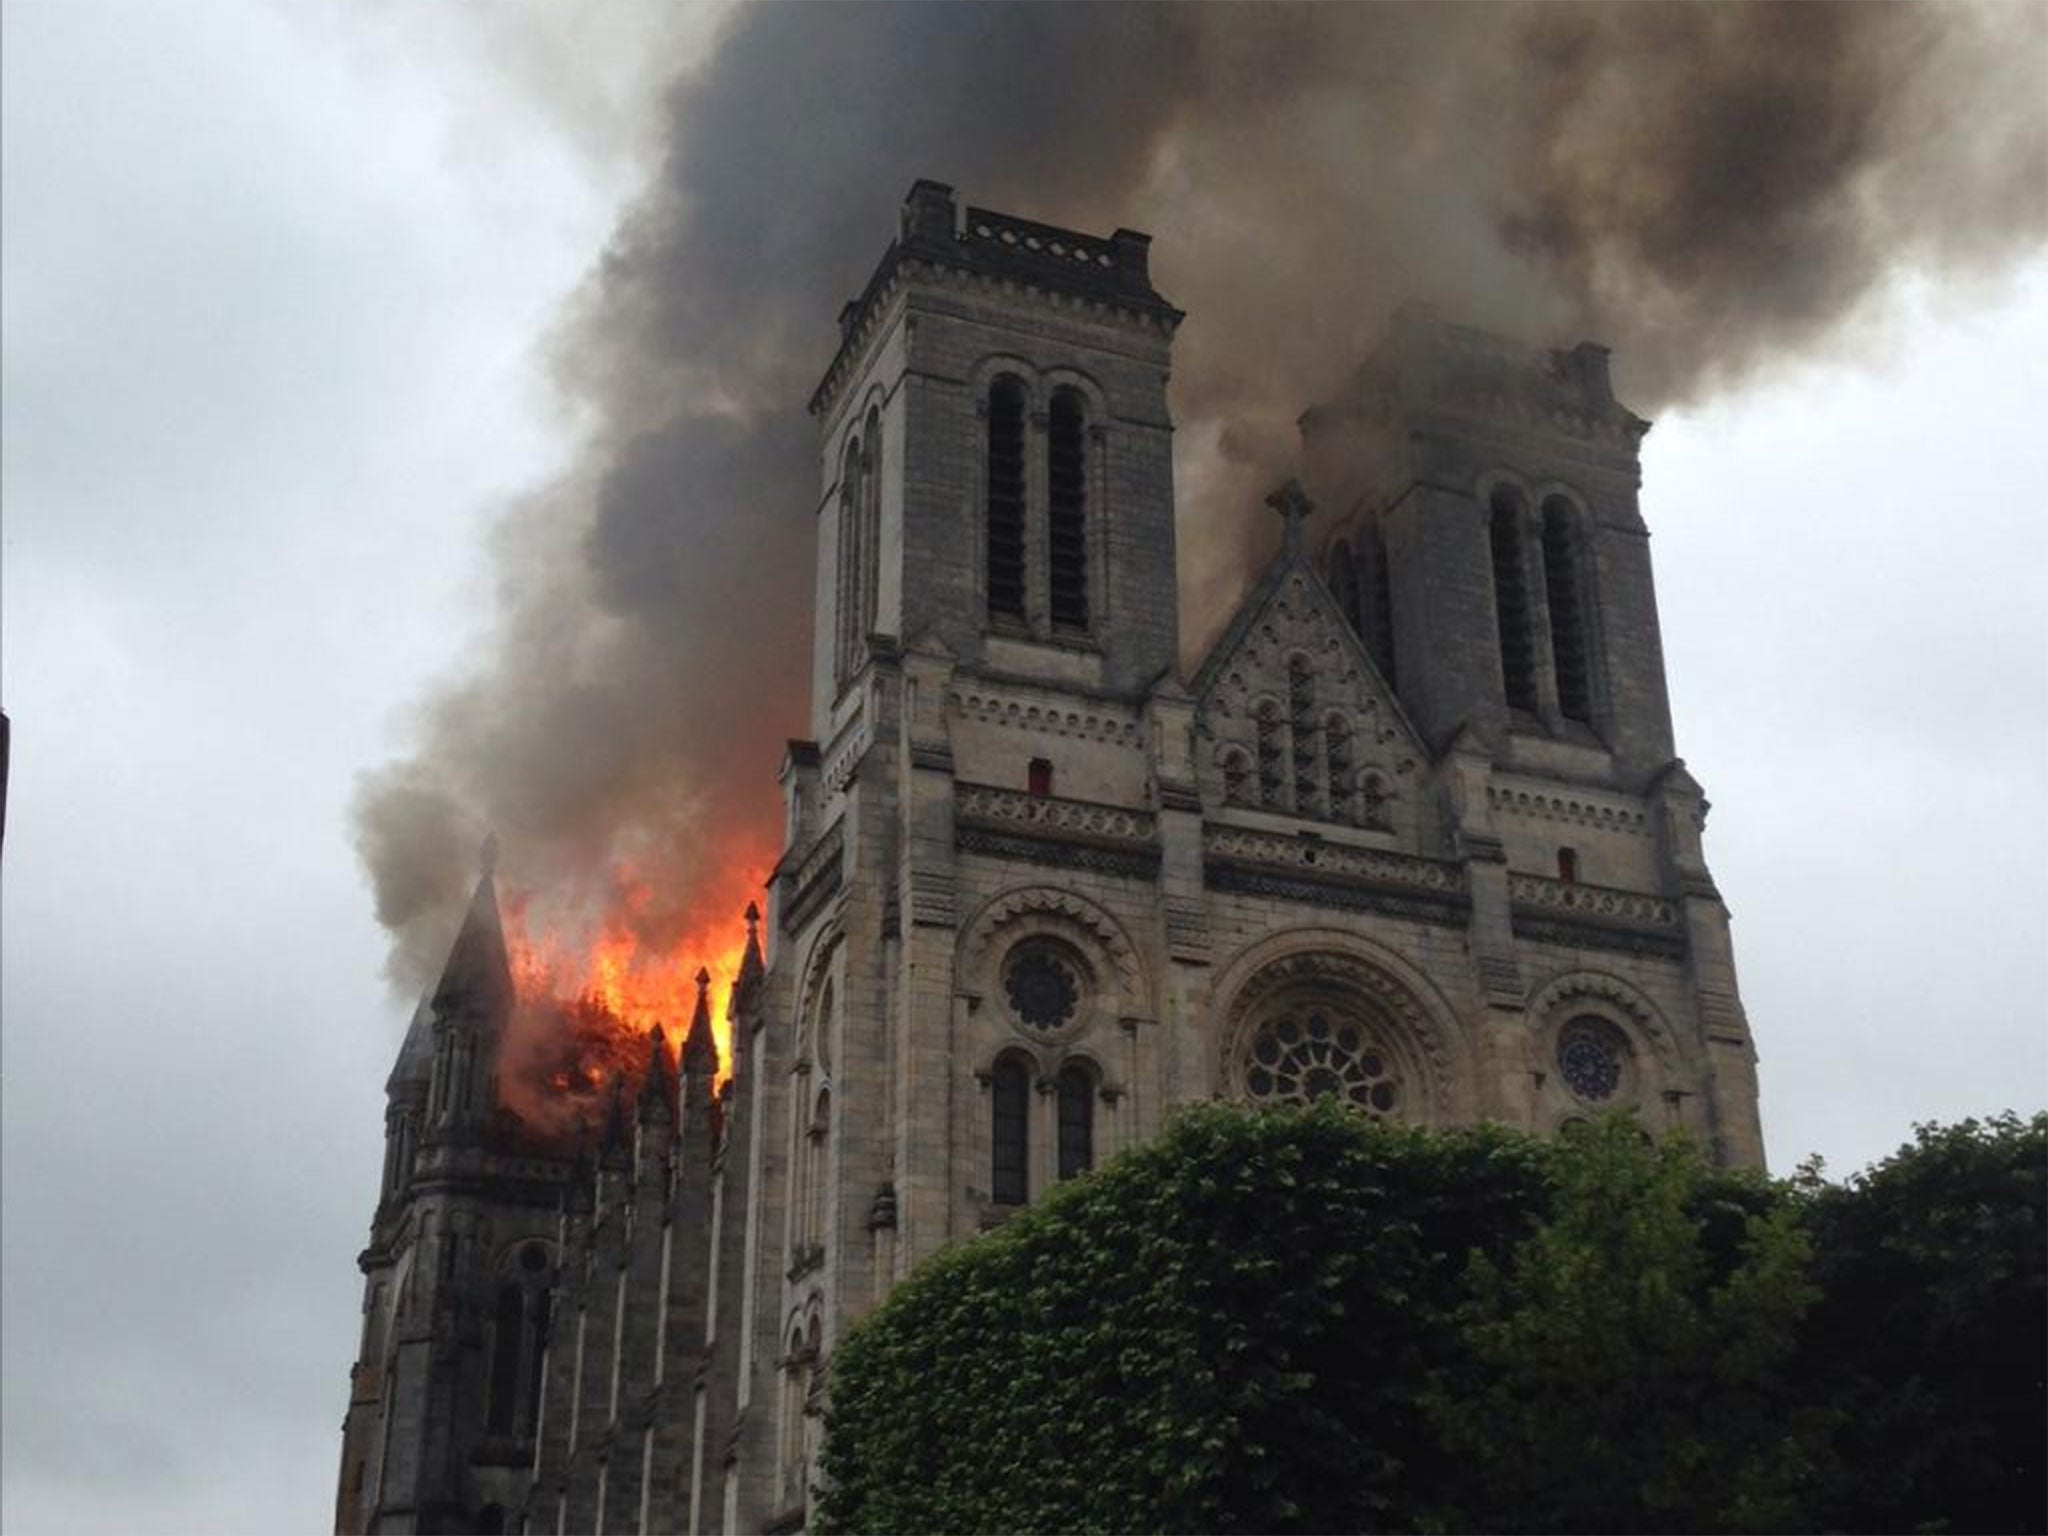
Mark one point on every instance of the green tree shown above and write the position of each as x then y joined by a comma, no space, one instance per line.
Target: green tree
1226,1330
1627,1366
1932,1330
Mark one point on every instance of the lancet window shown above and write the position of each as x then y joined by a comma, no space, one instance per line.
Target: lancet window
1076,1135
1067,510
1379,633
1511,602
859,515
1301,727
1567,616
1005,509
1342,774
1010,1115
1272,770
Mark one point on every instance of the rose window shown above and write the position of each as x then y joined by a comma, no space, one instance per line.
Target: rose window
1589,1056
1309,1053
1043,987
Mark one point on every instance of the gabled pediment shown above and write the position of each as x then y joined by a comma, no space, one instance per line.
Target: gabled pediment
1294,718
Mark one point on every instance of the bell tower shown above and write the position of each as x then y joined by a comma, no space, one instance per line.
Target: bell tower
1490,549
997,457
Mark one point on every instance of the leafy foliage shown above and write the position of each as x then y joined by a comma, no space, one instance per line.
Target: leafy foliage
1293,1320
1226,1330
1627,1371
1932,1329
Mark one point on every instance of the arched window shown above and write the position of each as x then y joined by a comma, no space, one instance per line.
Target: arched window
1076,1120
1272,779
1379,634
1301,721
1567,617
853,558
1010,1111
1511,602
816,1142
795,1386
1343,784
1005,552
1066,524
1237,776
1344,586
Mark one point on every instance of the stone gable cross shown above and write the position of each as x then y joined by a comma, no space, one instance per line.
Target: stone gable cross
1292,503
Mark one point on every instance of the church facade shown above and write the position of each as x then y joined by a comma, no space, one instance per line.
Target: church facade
1413,834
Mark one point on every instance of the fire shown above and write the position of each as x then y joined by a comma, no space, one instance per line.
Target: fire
590,989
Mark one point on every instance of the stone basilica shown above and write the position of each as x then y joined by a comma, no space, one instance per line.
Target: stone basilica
1413,834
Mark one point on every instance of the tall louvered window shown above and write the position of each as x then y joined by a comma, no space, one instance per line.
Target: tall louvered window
1010,1107
852,583
1301,722
1005,571
1379,633
1076,1120
1067,510
1511,603
1567,615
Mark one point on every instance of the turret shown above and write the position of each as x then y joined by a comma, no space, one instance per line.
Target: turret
405,1100
471,1005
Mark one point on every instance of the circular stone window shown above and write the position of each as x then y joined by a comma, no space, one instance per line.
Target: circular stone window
1044,987
1315,1052
1589,1055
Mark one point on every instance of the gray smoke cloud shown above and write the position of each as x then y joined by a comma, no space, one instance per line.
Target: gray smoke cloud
1707,189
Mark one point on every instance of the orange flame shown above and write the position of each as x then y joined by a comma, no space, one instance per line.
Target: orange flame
590,990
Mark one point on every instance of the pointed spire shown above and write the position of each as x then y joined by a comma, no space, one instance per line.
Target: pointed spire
656,1092
700,1050
1292,503
478,972
751,964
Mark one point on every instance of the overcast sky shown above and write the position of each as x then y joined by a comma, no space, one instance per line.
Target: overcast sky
274,284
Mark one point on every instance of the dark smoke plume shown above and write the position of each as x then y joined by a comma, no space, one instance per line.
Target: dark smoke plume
1707,188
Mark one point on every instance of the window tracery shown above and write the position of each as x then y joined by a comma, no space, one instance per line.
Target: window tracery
1301,729
1308,1049
1046,985
1342,774
1591,1056
1272,780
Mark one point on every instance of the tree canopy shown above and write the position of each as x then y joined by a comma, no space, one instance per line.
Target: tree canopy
1290,1320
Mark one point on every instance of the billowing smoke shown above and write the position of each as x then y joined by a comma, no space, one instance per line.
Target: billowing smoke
1708,189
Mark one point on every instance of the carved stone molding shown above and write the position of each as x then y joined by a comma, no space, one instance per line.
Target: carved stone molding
1044,909
1044,716
1555,997
1412,1030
